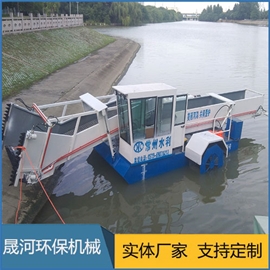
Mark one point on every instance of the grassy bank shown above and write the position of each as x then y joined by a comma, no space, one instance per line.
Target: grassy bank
29,57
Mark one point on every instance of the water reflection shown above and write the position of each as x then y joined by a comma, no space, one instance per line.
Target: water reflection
85,195
74,170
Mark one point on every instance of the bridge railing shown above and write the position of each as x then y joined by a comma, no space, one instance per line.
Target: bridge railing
30,23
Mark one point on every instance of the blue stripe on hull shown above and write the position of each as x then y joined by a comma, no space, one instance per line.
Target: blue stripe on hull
133,173
232,145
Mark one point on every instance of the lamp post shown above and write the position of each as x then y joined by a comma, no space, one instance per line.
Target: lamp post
77,8
69,8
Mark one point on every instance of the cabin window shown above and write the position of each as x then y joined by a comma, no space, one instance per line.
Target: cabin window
123,117
143,112
164,115
180,110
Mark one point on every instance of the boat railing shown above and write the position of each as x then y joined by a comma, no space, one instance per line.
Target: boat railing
65,104
255,92
77,115
222,131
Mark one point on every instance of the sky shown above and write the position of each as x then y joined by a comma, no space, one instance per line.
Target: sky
193,7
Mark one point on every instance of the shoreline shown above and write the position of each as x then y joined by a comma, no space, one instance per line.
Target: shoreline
262,23
96,74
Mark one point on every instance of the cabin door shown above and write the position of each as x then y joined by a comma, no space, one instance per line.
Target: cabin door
180,122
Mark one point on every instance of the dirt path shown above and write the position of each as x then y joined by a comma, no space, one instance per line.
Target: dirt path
95,74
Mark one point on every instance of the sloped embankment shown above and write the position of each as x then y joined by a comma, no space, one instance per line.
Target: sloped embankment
29,57
95,74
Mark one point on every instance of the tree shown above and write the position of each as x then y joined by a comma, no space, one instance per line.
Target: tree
51,7
241,11
121,13
211,13
246,10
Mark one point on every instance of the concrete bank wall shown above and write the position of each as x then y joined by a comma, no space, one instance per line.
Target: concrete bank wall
94,74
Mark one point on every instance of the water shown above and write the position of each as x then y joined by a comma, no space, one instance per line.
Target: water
197,58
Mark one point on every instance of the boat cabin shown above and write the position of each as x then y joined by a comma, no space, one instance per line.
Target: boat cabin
151,117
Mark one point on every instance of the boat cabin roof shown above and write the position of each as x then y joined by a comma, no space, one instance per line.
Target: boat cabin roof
145,90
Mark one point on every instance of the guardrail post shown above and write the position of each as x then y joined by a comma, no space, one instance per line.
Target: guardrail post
39,20
31,18
11,16
62,20
45,15
67,21
21,14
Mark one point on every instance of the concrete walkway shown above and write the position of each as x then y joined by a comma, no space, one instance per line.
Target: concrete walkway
95,74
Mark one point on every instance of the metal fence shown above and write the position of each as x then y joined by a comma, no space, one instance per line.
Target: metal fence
30,23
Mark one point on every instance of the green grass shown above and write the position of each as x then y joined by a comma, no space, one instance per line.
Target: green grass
30,57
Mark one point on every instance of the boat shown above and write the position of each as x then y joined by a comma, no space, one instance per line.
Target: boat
141,130
260,224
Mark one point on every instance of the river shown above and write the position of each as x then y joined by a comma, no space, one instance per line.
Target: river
197,58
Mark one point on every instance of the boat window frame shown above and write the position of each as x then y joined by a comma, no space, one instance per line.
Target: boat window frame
121,122
158,130
184,116
143,125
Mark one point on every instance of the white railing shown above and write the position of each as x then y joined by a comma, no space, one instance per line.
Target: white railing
27,24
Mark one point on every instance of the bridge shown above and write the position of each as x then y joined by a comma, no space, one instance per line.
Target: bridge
191,16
